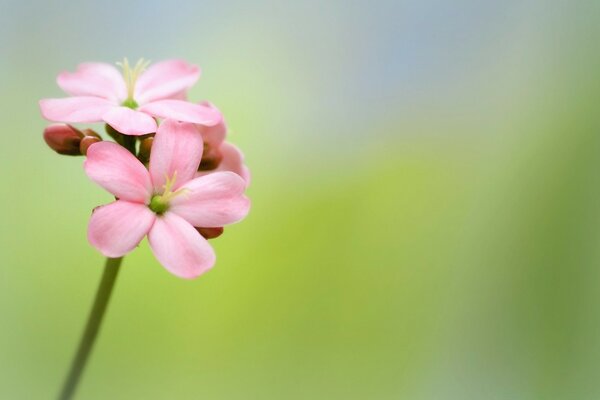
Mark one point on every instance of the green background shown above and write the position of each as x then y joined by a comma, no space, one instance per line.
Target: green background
425,218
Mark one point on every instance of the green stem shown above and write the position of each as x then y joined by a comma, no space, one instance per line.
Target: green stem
91,329
124,140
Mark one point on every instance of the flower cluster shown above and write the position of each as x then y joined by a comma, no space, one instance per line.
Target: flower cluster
174,177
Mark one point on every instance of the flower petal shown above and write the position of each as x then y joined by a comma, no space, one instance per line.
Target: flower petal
129,122
177,148
212,200
118,171
75,109
165,80
214,135
94,79
183,111
117,228
179,247
183,95
233,160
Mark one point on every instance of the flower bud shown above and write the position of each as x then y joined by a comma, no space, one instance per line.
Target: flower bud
86,142
63,139
211,158
89,132
145,148
210,233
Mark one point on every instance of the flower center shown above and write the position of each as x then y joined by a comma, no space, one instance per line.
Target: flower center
160,201
131,103
158,205
131,75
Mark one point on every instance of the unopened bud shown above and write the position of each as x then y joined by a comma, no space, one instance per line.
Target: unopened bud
89,132
145,148
86,142
211,158
210,233
63,139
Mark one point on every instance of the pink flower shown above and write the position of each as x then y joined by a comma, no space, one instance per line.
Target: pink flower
164,202
225,155
128,102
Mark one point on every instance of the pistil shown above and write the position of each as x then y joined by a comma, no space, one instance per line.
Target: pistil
160,202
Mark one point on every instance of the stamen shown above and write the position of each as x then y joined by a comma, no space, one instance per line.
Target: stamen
168,194
169,182
131,75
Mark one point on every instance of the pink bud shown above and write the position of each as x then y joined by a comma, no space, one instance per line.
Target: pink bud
86,142
210,233
90,132
145,149
63,139
211,158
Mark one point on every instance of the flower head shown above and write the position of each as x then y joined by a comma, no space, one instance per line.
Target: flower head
129,101
165,202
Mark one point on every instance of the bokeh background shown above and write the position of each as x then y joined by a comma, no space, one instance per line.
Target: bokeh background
426,204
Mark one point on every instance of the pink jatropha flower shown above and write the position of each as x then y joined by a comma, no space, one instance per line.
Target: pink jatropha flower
164,201
128,102
218,151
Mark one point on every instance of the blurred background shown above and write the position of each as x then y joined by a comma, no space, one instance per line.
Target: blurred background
426,204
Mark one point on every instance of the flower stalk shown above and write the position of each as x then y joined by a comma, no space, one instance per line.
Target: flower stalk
92,327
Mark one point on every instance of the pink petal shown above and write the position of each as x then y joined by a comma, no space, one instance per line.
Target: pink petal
183,95
177,148
75,109
118,171
183,111
129,122
117,228
212,200
94,79
165,80
179,247
233,161
214,135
